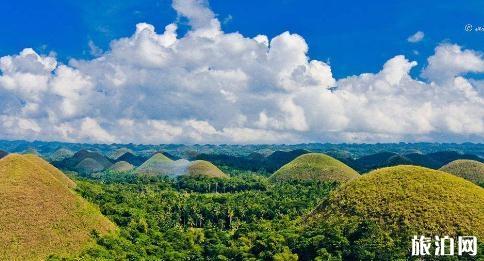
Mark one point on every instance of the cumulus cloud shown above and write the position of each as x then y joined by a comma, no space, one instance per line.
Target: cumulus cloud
214,87
416,37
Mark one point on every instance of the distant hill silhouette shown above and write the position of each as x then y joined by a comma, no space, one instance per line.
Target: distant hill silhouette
3,153
118,153
385,159
132,159
79,161
254,161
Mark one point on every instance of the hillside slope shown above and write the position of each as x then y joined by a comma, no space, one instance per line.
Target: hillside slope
39,213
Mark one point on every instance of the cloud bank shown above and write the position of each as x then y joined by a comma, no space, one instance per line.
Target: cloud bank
208,86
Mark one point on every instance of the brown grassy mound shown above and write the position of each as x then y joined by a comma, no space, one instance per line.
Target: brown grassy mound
39,213
469,169
409,200
202,168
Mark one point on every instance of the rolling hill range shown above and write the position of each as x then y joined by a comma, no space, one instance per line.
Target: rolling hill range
201,168
132,159
403,201
118,153
468,169
40,215
315,166
385,159
85,161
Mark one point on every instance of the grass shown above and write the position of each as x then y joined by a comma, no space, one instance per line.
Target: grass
468,169
409,200
39,213
315,166
202,168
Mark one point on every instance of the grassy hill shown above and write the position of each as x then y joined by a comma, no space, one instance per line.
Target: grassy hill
404,201
76,163
121,166
118,153
315,166
155,165
469,169
88,165
61,154
39,213
202,168
132,159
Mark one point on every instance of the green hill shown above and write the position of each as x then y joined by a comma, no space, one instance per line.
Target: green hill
119,152
469,169
155,165
88,165
404,201
202,168
39,214
121,166
73,162
315,166
61,154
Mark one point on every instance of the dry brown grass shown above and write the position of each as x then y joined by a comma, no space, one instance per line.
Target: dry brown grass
202,168
39,213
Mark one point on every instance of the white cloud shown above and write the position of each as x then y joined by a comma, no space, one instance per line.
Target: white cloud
450,60
214,87
416,37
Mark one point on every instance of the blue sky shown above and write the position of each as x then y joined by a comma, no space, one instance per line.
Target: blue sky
354,36
190,71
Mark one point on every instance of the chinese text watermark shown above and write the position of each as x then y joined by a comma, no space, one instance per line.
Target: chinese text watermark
443,246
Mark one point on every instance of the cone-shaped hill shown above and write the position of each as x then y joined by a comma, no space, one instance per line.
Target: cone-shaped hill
202,168
88,165
315,166
61,154
121,166
78,162
39,214
471,170
132,159
119,152
405,201
155,165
